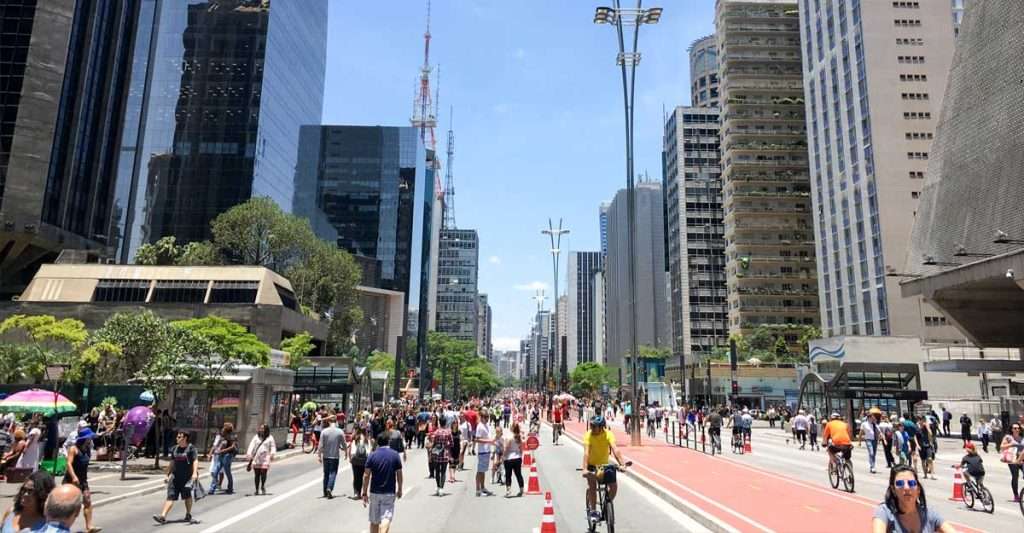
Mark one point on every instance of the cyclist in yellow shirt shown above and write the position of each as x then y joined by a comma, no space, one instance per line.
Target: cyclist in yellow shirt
598,446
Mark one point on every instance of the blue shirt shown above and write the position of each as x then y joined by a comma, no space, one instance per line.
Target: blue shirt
52,527
930,520
383,464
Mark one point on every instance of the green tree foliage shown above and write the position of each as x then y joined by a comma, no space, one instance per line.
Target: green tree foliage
140,336
653,352
41,341
227,339
769,344
477,378
588,377
381,361
298,348
166,251
258,232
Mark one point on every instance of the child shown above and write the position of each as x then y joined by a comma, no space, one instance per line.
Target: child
973,464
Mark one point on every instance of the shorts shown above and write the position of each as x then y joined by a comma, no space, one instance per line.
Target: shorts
176,491
608,477
483,461
846,449
925,452
382,507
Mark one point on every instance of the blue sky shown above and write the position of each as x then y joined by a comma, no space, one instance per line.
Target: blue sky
538,118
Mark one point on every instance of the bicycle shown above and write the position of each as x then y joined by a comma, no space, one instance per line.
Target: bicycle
737,442
605,505
841,470
309,441
974,491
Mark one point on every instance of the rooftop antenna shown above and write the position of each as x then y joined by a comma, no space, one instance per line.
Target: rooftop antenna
449,178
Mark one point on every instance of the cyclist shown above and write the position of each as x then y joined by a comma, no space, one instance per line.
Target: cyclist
598,445
973,464
535,419
837,438
556,424
714,424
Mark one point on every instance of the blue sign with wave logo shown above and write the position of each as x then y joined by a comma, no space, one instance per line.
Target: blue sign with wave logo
819,351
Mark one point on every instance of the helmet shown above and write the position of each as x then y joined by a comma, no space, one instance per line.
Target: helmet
834,415
597,421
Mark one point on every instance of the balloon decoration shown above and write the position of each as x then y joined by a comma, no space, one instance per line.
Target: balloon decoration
138,419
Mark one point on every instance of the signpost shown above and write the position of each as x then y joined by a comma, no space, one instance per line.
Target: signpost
532,442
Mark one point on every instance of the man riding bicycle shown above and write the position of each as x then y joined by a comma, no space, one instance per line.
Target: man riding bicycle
598,445
837,438
714,424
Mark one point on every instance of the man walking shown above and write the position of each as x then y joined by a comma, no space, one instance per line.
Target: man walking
332,440
61,509
869,435
484,440
382,485
947,417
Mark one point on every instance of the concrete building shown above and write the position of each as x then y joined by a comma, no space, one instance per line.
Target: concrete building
457,298
483,326
602,217
696,248
582,320
704,72
600,318
651,301
542,335
771,272
526,360
874,80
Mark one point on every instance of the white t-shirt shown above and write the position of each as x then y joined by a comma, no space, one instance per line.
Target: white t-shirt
483,432
800,422
466,429
30,457
867,430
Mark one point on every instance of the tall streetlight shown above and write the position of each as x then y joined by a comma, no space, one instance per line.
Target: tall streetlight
635,17
556,242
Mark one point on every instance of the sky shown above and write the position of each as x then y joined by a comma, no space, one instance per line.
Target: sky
534,96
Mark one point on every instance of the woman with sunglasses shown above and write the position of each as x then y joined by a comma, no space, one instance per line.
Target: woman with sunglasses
27,512
905,509
1012,451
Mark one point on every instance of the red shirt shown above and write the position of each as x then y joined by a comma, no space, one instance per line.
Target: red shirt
557,415
472,418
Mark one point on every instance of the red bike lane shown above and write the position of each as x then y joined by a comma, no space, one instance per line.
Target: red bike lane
741,496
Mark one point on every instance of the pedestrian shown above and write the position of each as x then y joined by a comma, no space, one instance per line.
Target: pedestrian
358,455
1012,453
925,448
295,425
466,432
332,440
182,474
33,449
946,418
885,436
484,445
224,448
77,473
984,434
382,485
996,429
440,448
512,449
869,435
27,511
812,431
261,451
61,509
965,428
396,439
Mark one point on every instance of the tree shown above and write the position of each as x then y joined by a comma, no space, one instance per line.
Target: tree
381,361
588,377
478,378
259,232
229,340
297,348
166,251
140,337
45,341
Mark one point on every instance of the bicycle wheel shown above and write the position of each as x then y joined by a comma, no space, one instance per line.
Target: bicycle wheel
847,477
987,502
307,443
968,496
609,516
833,475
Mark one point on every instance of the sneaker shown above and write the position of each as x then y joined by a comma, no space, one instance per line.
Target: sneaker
508,492
159,519
329,495
477,494
520,495
190,520
487,492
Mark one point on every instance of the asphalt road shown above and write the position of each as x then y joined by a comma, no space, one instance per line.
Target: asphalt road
294,503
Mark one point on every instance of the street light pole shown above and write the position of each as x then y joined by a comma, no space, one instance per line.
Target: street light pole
556,243
635,17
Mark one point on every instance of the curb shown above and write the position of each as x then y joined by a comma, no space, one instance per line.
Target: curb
689,509
163,487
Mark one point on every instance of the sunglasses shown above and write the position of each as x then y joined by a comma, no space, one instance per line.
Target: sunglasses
905,483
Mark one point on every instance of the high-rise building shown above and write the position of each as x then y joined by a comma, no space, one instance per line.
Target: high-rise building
526,359
457,299
770,266
602,215
483,319
874,80
218,92
651,301
541,336
65,68
600,318
696,248
582,320
704,72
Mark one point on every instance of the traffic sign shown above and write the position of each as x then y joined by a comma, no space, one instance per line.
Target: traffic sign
532,442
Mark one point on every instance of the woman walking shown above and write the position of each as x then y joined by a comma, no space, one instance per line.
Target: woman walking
78,472
261,453
225,446
513,450
1012,451
358,455
27,512
440,452
182,474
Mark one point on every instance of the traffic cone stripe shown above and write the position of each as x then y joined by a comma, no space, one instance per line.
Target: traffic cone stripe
547,522
533,487
958,485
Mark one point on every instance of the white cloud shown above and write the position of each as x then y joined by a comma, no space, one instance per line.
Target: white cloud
494,260
532,286
505,343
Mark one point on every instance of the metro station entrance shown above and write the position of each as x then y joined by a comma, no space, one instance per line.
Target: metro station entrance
895,388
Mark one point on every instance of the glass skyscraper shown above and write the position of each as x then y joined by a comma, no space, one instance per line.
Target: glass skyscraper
219,90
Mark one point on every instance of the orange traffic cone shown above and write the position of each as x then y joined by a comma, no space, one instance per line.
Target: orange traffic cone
533,486
527,459
958,485
746,446
547,524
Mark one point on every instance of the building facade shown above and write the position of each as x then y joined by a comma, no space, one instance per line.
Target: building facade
582,320
541,337
704,72
770,265
217,94
457,298
483,319
602,216
651,302
696,247
874,80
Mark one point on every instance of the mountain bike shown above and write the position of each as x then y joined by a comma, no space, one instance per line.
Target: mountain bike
975,491
604,505
309,441
841,470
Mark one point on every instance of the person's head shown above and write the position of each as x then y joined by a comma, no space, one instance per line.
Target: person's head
63,504
264,431
84,439
1015,430
597,423
19,434
182,439
835,416
970,449
383,439
32,495
228,428
904,490
389,424
498,431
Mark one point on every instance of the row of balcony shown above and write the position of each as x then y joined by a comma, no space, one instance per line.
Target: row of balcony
757,227
780,243
761,195
788,176
786,162
753,210
753,131
759,44
775,291
746,260
745,308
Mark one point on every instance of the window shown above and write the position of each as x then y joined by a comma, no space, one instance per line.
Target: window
919,135
915,195
911,41
917,155
914,96
916,175
234,292
914,115
907,23
287,297
180,291
914,60
913,77
121,290
934,321
907,5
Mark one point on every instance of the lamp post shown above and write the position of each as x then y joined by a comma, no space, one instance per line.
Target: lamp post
635,17
556,242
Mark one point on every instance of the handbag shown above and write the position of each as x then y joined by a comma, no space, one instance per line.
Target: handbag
248,467
198,492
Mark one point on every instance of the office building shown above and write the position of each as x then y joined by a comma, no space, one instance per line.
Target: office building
651,302
457,298
526,360
874,80
541,337
602,215
582,320
704,72
483,319
770,263
218,92
64,87
696,247
600,318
